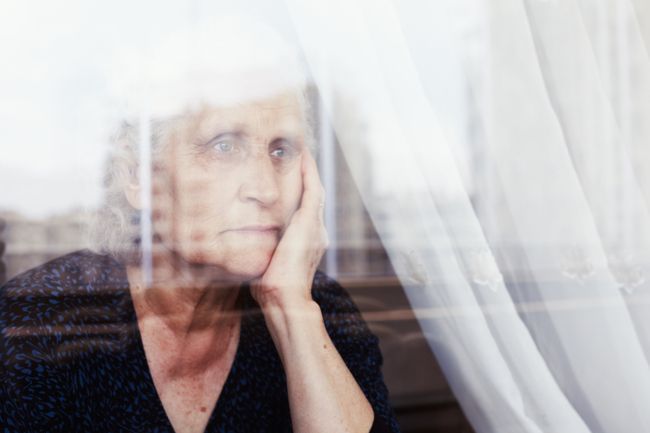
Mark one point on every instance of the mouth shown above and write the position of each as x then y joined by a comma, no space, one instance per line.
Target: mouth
257,229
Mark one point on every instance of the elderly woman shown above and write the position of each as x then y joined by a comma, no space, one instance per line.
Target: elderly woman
219,321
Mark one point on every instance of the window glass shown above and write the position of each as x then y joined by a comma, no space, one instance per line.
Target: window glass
484,203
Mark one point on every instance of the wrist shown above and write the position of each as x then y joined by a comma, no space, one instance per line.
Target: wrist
290,309
293,324
273,297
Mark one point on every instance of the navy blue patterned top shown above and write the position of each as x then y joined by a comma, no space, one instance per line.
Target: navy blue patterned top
73,360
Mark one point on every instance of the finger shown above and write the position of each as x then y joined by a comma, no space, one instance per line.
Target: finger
313,197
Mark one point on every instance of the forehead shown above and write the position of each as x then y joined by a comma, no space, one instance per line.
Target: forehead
282,112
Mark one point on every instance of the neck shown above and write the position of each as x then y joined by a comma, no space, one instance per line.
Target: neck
192,319
185,300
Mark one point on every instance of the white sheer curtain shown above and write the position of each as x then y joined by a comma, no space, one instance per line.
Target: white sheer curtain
526,268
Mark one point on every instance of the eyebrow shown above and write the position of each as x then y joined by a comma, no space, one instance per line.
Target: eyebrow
238,133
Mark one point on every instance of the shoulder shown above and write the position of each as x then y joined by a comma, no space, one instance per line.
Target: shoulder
357,345
47,309
58,297
75,273
52,317
330,295
57,293
342,317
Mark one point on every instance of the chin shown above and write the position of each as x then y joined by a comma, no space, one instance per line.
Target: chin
249,267
237,263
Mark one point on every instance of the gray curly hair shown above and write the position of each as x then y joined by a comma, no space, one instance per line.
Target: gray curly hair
115,228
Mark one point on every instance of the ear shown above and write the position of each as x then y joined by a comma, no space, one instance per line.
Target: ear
132,194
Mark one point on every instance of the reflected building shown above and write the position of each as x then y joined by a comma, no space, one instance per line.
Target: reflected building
355,244
30,242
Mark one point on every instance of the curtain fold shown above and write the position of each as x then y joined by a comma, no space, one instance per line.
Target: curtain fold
528,280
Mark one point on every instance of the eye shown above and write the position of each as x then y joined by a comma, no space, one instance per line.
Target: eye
225,144
278,153
283,149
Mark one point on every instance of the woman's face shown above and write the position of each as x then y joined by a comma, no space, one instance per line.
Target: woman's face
230,180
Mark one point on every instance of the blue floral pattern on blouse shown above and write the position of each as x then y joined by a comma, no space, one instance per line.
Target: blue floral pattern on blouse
73,360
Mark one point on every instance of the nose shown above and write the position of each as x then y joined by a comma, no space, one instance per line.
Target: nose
260,182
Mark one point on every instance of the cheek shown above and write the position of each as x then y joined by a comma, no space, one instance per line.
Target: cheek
188,209
291,192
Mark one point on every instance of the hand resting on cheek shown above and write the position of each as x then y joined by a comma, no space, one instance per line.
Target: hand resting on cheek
288,278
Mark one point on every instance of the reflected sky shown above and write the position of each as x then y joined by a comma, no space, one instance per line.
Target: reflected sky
57,109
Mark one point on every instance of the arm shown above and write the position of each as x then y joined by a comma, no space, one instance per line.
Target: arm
323,394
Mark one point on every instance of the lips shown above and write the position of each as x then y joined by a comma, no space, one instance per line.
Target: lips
261,229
